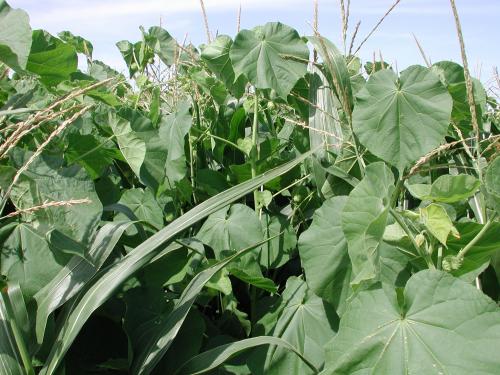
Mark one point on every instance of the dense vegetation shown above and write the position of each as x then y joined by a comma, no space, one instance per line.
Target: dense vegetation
259,205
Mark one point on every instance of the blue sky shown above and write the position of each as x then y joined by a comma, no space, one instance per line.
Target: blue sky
105,22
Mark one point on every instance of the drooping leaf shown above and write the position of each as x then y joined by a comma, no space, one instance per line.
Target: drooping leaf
437,222
216,56
438,325
105,285
132,147
336,68
75,274
446,188
176,128
277,251
15,36
160,342
10,359
323,115
364,219
162,43
323,253
410,113
231,228
51,59
304,321
80,44
186,345
215,357
272,57
147,310
144,206
452,76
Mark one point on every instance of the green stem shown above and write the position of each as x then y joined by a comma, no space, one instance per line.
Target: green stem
191,168
421,252
232,144
461,254
254,155
395,194
440,257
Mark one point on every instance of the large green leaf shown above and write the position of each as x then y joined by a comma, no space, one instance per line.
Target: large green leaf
277,251
91,152
453,77
46,179
410,113
162,43
272,57
51,59
15,36
213,358
438,223
27,259
303,320
231,228
364,219
109,281
323,253
174,130
216,56
446,188
438,325
75,274
132,147
144,206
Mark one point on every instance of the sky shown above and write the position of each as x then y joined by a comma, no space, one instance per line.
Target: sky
104,22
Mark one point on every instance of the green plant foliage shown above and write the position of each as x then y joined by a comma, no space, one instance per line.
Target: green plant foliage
411,113
323,251
260,204
51,59
405,331
15,36
272,57
372,197
81,45
446,188
302,319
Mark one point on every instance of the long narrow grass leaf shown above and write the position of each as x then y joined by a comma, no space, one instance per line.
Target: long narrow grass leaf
161,341
76,274
108,283
213,358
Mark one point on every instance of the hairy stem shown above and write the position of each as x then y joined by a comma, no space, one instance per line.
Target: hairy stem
421,252
461,254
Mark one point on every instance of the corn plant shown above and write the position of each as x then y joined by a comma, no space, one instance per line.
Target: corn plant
263,204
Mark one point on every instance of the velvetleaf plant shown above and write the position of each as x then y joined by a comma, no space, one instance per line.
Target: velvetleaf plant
263,204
